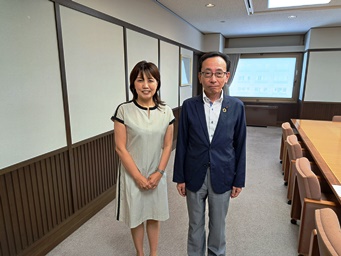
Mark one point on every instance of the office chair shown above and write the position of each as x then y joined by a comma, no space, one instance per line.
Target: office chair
336,119
286,131
311,199
296,151
326,238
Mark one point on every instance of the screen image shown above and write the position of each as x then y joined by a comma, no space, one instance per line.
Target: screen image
264,78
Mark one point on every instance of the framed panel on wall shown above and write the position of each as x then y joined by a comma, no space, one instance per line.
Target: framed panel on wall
169,58
31,102
137,41
186,70
94,61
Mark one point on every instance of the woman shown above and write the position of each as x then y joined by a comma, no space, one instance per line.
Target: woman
143,137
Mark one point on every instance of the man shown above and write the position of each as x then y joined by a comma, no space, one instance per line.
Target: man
210,155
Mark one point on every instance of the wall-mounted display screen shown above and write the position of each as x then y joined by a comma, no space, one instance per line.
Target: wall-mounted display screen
263,77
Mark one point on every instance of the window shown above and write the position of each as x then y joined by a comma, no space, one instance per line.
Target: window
267,77
291,3
186,70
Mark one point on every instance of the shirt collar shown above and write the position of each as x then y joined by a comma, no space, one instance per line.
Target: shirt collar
207,100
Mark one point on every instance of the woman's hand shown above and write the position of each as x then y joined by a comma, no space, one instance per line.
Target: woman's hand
142,182
154,179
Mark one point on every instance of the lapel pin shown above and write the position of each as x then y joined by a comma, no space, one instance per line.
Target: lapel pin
225,109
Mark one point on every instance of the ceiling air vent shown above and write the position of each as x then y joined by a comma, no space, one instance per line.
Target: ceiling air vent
249,7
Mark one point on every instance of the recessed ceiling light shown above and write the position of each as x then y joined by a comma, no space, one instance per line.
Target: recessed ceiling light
291,3
292,17
209,5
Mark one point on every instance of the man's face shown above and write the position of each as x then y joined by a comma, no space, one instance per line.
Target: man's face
213,85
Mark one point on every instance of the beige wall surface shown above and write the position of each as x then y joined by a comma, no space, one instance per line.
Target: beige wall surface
94,64
169,70
149,15
323,66
31,107
96,54
323,77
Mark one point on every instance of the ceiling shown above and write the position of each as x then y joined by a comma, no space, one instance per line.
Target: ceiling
231,19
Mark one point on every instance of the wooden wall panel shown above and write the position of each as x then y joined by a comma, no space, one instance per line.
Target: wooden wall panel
303,110
94,163
261,115
285,111
37,200
33,201
319,110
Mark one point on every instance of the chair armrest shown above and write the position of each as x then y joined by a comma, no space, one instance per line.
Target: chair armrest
313,247
320,203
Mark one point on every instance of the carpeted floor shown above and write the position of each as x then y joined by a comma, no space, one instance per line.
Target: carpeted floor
258,222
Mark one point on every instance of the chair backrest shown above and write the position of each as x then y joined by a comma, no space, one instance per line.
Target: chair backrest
294,148
336,119
308,184
328,232
286,130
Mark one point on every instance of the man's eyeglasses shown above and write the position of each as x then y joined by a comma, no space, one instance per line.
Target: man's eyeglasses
209,74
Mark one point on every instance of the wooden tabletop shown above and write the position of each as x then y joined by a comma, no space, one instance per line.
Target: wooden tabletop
323,139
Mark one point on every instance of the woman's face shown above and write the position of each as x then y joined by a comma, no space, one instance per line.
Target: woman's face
145,86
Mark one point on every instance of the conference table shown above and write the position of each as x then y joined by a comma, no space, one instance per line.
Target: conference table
323,140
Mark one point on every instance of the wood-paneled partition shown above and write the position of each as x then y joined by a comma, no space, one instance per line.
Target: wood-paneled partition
35,198
47,198
283,113
319,110
95,168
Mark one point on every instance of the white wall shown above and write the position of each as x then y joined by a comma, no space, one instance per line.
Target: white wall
149,15
214,42
323,77
94,72
31,106
324,65
141,47
31,102
264,41
324,38
169,70
266,44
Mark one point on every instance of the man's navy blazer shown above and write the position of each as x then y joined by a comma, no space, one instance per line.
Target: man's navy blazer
225,155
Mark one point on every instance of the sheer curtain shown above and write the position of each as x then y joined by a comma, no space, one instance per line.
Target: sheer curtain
234,63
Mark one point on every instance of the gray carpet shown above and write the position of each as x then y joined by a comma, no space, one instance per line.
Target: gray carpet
258,222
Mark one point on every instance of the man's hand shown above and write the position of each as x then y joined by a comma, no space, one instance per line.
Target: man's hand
181,187
235,192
